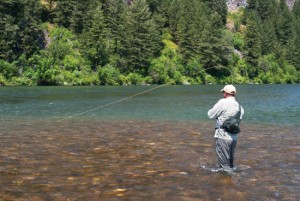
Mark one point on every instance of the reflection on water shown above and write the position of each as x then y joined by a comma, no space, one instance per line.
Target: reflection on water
140,160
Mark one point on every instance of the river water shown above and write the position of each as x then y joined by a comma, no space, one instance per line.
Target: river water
59,143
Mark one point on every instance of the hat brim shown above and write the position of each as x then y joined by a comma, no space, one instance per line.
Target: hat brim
231,93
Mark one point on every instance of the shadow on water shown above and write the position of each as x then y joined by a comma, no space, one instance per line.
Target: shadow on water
144,160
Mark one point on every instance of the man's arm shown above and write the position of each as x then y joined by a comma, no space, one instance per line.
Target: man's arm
215,111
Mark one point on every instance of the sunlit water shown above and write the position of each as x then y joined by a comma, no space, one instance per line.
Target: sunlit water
157,146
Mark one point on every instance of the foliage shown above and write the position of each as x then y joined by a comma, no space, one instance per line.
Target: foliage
109,75
8,70
117,42
142,39
3,81
134,78
168,67
19,28
94,39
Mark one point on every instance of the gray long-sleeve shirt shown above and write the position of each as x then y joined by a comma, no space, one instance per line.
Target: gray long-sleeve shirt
222,110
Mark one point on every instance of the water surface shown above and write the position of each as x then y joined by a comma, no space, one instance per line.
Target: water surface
157,146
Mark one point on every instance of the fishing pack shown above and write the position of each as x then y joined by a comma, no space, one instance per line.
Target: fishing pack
231,125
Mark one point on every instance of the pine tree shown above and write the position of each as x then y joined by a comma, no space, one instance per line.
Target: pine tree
284,24
296,52
153,5
94,39
115,23
252,47
8,32
174,16
265,9
252,6
32,38
214,49
183,33
220,7
268,38
190,27
142,37
64,12
20,32
48,10
292,52
296,9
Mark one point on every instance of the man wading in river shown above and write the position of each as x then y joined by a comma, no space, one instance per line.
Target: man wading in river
226,108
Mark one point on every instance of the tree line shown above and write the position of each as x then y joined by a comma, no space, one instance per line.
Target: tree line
121,42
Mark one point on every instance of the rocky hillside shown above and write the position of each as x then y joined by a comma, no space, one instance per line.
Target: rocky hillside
290,3
234,4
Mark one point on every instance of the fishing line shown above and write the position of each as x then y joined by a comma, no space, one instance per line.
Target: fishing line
126,98
106,105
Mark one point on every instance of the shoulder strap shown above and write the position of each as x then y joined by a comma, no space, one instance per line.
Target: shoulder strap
238,114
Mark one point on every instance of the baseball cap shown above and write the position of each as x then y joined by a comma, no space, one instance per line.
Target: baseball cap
230,89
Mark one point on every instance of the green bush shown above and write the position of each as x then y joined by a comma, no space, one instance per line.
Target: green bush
238,79
148,80
3,80
31,74
109,75
238,41
210,79
195,69
177,77
165,68
51,76
135,78
45,69
8,70
72,62
123,80
63,43
22,81
291,74
158,72
90,79
198,80
67,78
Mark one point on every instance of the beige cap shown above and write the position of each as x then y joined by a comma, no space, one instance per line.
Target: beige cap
230,89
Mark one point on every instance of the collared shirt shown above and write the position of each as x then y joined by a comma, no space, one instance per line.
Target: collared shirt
222,110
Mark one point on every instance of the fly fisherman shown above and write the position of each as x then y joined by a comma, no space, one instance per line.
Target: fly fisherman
225,108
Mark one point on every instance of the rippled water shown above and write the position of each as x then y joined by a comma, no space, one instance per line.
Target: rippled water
157,146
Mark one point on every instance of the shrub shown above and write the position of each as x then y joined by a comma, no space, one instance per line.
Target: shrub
195,69
123,80
90,79
72,62
177,77
109,75
158,72
210,79
238,41
8,70
3,80
148,80
135,78
22,81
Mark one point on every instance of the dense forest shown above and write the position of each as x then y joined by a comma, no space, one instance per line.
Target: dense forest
123,42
